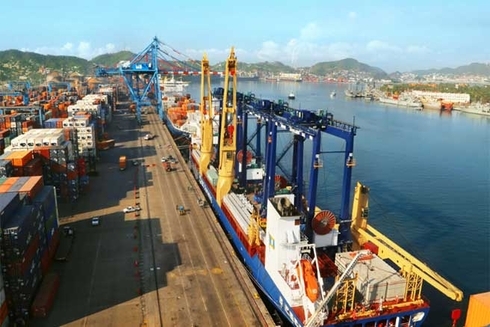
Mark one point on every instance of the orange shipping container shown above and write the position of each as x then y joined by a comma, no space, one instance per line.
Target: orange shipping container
32,186
7,184
20,158
478,314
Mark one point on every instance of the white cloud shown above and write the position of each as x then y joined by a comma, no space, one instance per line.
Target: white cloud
352,15
380,46
83,50
270,51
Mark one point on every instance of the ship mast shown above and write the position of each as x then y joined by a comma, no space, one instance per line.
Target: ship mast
227,141
207,113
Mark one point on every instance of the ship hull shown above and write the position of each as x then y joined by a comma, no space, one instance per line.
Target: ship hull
265,283
176,132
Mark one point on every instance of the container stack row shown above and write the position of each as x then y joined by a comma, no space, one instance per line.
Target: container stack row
29,238
80,130
12,126
49,153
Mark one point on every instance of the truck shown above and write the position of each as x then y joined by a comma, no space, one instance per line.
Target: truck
122,162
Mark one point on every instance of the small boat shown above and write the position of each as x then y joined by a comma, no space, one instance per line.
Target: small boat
333,94
291,96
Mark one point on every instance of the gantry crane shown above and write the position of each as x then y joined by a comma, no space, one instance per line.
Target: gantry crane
411,268
227,137
142,74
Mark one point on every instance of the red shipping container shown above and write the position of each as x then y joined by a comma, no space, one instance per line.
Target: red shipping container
46,261
19,268
42,152
54,242
4,311
46,295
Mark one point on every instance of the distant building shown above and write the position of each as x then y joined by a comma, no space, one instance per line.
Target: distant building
453,97
294,77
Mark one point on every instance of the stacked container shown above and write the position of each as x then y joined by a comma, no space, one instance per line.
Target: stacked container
46,152
13,123
54,123
30,234
45,201
6,168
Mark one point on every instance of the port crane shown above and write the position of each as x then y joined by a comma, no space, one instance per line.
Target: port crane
412,268
206,111
228,135
18,90
142,73
21,92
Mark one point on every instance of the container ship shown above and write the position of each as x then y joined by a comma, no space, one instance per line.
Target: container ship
315,266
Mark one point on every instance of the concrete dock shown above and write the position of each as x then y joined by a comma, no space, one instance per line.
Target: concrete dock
156,267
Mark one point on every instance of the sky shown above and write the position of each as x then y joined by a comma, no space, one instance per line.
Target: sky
392,35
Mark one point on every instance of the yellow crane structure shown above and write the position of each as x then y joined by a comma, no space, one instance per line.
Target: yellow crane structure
227,137
411,268
206,111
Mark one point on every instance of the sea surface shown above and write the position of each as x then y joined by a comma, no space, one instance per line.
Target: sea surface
429,179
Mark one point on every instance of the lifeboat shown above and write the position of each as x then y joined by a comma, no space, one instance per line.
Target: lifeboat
310,281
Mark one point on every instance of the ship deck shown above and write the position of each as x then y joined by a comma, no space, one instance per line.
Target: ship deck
155,268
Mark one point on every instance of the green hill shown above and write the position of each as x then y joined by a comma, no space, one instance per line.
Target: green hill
15,64
475,68
111,59
349,64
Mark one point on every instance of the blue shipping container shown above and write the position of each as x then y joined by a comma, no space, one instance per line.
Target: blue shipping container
18,231
8,204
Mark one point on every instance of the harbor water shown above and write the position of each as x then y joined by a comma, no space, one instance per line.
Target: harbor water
429,176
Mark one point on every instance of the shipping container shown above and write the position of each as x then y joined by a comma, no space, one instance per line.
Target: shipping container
20,267
18,230
46,200
7,184
8,205
4,318
34,167
478,314
6,168
54,243
45,297
20,158
32,187
19,182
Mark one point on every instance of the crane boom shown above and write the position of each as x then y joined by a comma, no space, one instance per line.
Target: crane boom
227,137
206,117
387,249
